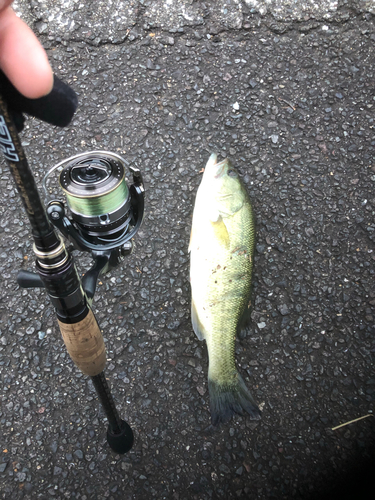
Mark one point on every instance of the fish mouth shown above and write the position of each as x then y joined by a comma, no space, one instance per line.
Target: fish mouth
216,168
221,168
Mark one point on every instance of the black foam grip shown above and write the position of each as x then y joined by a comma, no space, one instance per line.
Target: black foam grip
56,108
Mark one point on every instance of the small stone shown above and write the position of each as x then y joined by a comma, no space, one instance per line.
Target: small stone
57,471
126,467
173,325
53,446
261,248
150,64
168,40
224,468
201,390
274,138
41,27
21,476
78,454
283,309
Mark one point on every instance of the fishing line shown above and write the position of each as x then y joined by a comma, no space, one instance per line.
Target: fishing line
100,202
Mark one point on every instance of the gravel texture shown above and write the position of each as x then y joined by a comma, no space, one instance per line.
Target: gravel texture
292,105
116,20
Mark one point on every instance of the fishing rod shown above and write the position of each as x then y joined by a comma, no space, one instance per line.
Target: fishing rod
105,214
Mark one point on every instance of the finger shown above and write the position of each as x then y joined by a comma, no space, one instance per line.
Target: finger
5,3
22,58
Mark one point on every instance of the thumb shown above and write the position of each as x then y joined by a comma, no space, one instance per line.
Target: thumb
22,57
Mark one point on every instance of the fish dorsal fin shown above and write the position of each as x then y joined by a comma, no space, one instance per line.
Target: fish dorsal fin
197,325
221,232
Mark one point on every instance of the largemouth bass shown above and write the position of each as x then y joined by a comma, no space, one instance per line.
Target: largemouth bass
221,260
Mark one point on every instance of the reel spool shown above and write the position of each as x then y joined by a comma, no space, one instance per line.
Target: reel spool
97,195
104,210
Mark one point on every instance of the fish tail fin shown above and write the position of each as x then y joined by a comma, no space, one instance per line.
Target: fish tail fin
229,399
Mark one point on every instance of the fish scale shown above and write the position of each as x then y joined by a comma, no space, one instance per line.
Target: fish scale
221,251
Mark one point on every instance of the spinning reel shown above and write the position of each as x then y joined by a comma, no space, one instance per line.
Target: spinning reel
105,212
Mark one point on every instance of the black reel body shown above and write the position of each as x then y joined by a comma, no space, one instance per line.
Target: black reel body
105,212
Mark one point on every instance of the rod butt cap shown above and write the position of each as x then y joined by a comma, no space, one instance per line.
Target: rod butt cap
122,442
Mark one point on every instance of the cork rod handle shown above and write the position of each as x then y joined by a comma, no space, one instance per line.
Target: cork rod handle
85,344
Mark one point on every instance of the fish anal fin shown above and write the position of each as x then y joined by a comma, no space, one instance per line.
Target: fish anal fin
244,320
197,325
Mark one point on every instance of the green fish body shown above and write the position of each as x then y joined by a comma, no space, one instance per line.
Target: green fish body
221,260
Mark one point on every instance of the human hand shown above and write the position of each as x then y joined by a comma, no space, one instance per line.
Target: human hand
22,57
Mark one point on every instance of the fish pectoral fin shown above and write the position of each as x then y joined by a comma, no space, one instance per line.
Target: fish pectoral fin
213,214
197,325
221,232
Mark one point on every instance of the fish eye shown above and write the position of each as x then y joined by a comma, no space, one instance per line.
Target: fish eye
232,173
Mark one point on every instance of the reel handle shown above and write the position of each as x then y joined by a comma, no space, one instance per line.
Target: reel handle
28,279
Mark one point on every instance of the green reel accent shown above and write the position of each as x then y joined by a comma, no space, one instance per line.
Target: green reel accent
96,205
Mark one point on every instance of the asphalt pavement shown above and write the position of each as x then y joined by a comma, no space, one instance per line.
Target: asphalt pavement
286,90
